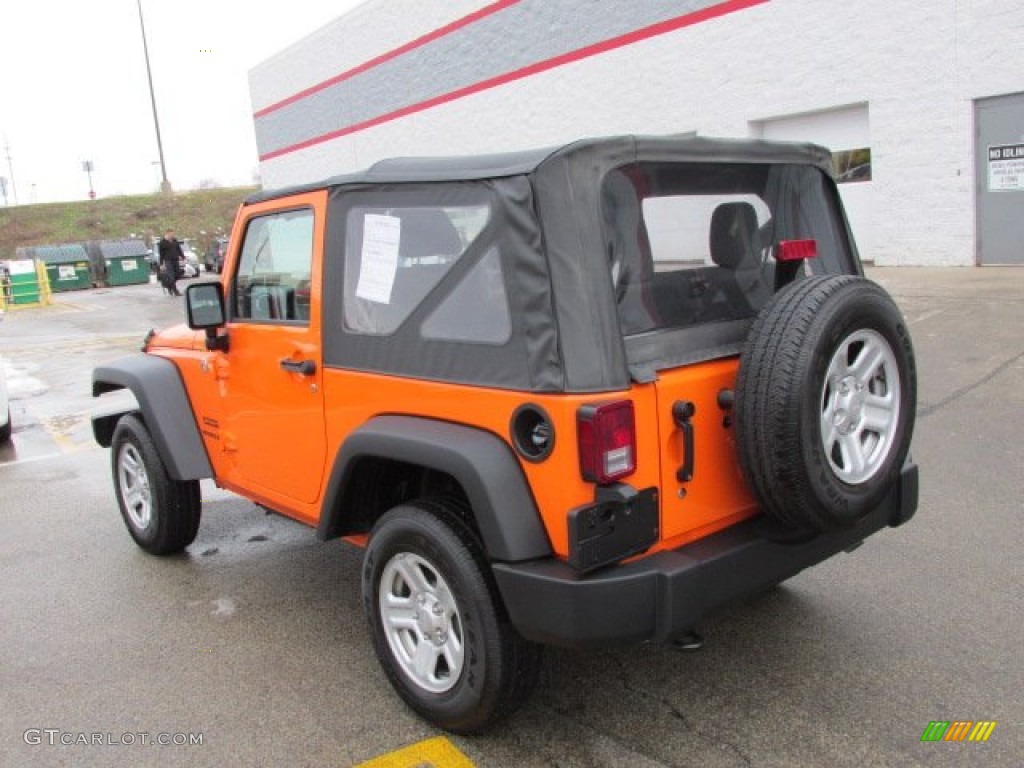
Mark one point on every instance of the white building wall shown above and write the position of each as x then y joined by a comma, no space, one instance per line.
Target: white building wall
918,65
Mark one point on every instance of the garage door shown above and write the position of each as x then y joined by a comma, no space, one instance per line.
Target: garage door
846,131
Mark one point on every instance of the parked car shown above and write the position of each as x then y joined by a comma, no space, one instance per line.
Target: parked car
190,266
213,260
577,396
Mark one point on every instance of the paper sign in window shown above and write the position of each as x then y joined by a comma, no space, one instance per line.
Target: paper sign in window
381,238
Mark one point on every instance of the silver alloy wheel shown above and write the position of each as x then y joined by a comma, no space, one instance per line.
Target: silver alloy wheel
860,406
421,622
133,481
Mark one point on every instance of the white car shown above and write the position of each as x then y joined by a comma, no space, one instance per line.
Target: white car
190,266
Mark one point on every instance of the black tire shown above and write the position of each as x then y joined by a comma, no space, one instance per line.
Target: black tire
161,514
822,430
5,430
492,670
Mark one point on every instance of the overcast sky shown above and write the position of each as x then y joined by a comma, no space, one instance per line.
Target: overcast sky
73,88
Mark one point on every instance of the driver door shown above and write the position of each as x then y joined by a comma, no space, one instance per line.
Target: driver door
272,394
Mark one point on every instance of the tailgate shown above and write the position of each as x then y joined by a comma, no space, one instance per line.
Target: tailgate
715,495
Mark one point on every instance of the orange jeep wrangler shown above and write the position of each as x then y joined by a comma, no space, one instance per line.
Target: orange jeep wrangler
576,396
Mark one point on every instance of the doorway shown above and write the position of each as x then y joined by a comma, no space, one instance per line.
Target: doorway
999,178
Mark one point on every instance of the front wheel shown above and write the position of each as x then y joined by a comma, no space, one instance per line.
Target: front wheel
438,627
161,514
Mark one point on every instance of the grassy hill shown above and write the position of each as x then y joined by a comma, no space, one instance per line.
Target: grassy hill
199,216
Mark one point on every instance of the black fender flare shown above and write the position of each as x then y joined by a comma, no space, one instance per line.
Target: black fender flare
165,408
482,463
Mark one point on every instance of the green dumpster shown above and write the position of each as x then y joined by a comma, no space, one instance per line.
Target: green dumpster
23,286
126,261
66,265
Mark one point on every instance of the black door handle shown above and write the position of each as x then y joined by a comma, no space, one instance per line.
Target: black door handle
682,412
303,367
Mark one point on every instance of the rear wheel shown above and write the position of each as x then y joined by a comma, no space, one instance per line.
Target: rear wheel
825,401
161,514
5,430
438,625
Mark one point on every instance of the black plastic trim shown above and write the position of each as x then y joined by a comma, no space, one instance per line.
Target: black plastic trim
664,595
620,523
165,408
482,463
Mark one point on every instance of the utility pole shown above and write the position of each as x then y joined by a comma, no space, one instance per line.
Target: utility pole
165,185
3,189
88,168
10,170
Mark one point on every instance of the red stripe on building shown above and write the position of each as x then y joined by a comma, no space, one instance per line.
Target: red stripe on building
419,42
645,33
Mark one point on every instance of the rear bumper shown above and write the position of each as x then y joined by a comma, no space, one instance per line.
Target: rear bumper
664,595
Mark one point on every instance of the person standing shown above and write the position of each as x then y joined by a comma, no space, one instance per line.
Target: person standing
171,257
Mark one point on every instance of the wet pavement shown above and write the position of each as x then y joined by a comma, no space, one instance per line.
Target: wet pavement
255,639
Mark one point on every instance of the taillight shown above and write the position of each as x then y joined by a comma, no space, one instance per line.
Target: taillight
797,250
607,441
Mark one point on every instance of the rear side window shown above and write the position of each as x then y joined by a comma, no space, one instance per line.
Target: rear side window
273,278
397,256
476,310
694,243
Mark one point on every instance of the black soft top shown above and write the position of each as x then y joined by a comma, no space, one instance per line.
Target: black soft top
547,205
594,153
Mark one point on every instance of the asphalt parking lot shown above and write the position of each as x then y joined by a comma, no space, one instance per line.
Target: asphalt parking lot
255,641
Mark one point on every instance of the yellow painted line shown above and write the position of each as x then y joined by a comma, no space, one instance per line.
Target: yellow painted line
432,753
70,306
69,445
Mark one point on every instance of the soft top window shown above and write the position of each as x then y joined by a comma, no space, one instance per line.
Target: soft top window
695,243
397,256
442,281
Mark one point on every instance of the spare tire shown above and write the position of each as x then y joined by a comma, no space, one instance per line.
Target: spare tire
825,401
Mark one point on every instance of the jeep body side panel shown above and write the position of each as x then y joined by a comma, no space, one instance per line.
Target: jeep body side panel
165,407
355,399
662,596
482,463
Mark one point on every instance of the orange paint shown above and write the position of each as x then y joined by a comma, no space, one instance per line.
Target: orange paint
272,436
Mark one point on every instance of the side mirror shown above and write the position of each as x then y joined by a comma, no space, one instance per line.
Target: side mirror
204,305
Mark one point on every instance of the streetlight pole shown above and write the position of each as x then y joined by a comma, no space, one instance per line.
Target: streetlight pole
87,167
10,169
165,185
